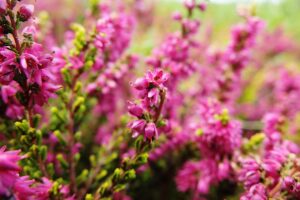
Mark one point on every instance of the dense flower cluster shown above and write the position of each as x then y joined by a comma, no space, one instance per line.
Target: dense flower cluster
16,186
26,78
152,92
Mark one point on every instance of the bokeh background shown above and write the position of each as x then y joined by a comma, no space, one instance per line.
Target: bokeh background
220,16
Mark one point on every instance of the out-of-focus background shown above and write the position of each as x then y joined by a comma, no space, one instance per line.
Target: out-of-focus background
221,14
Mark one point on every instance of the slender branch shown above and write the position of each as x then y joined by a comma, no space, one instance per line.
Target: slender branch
42,167
15,33
30,117
89,182
71,145
71,131
162,101
277,187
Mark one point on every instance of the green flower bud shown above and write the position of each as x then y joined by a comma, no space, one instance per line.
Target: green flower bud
254,142
93,160
66,74
104,187
43,152
77,157
142,159
78,102
62,161
59,136
89,197
82,177
101,174
130,175
199,132
23,126
118,173
39,137
50,169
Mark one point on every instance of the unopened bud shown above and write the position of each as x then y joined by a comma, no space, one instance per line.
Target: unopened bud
26,12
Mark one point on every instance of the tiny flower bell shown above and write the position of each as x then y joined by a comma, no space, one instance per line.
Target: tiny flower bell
25,12
151,131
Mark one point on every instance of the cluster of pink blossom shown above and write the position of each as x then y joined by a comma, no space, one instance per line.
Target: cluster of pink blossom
26,79
152,91
279,94
218,137
267,176
228,65
15,186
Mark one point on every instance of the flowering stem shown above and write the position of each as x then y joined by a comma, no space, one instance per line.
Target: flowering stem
159,110
43,168
277,188
14,32
30,117
71,131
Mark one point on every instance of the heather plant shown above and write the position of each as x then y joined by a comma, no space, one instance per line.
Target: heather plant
85,115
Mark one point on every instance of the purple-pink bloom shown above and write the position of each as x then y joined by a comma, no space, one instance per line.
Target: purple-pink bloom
257,192
250,173
151,131
26,12
9,169
135,109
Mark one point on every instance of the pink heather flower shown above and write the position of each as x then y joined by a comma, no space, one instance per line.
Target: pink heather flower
274,161
23,189
219,137
30,30
26,12
114,34
7,91
224,170
138,127
250,173
191,26
157,77
272,123
175,142
176,48
121,196
189,4
202,6
141,84
288,183
257,192
135,109
187,178
2,7
15,111
292,186
76,62
151,89
36,66
177,16
151,131
42,189
175,53
7,58
9,169
141,127
153,97
197,176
